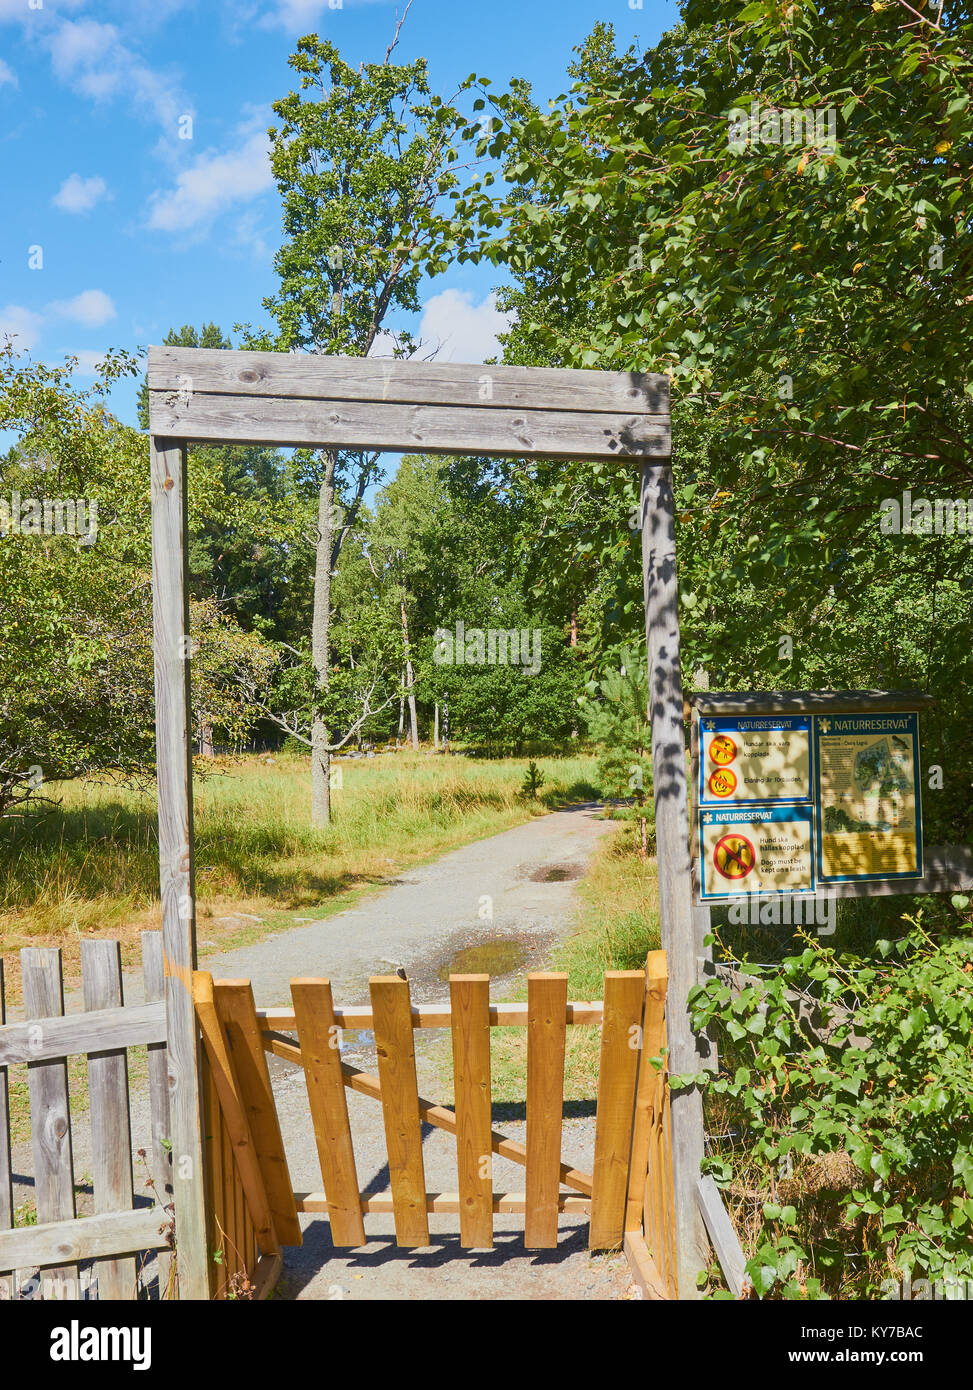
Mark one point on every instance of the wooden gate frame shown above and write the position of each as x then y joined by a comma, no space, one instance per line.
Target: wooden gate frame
201,395
253,1211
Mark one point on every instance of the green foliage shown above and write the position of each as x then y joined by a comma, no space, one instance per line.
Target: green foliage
533,780
359,155
866,1138
76,620
615,706
811,308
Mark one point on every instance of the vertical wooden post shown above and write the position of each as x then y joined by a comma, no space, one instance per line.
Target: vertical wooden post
174,743
7,1281
160,1156
111,1134
547,1012
661,594
50,1113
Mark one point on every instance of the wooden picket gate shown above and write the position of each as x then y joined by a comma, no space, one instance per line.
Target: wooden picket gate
110,1253
253,1211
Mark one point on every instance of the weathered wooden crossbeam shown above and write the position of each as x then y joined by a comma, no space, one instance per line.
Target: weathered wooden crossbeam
99,1030
309,376
291,399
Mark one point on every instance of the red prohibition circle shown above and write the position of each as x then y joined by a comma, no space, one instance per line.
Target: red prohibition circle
722,749
723,782
739,856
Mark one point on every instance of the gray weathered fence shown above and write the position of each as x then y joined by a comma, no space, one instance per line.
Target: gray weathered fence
104,1254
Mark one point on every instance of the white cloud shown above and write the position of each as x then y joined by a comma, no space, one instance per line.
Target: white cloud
20,324
88,359
300,16
91,58
7,74
91,308
18,9
79,195
213,182
466,331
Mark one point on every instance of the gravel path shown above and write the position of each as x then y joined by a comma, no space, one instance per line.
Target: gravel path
517,889
525,877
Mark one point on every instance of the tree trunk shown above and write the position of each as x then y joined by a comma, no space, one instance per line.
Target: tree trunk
409,679
321,649
435,728
574,643
206,748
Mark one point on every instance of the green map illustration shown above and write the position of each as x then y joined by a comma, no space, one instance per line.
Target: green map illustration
882,770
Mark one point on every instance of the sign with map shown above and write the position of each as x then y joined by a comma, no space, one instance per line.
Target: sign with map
750,850
803,793
745,759
869,816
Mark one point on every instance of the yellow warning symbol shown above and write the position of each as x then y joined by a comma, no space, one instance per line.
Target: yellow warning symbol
723,782
734,856
722,750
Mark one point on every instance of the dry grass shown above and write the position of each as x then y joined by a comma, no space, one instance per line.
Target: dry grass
91,867
617,925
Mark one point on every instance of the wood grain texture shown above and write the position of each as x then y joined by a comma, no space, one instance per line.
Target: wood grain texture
318,377
7,1282
431,429
394,1045
213,1156
174,734
100,1030
269,1269
160,1153
111,1136
433,1114
431,1016
621,1036
645,1271
50,1116
319,1037
449,1203
233,1107
722,1233
88,1238
469,997
649,1086
238,1019
547,993
661,596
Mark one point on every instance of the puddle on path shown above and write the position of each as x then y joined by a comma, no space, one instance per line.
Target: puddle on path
556,873
500,956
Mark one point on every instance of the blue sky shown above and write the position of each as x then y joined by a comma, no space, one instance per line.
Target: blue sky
116,229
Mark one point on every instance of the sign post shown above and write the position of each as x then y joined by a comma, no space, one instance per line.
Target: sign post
678,923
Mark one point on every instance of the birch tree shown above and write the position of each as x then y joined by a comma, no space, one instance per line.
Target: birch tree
361,158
